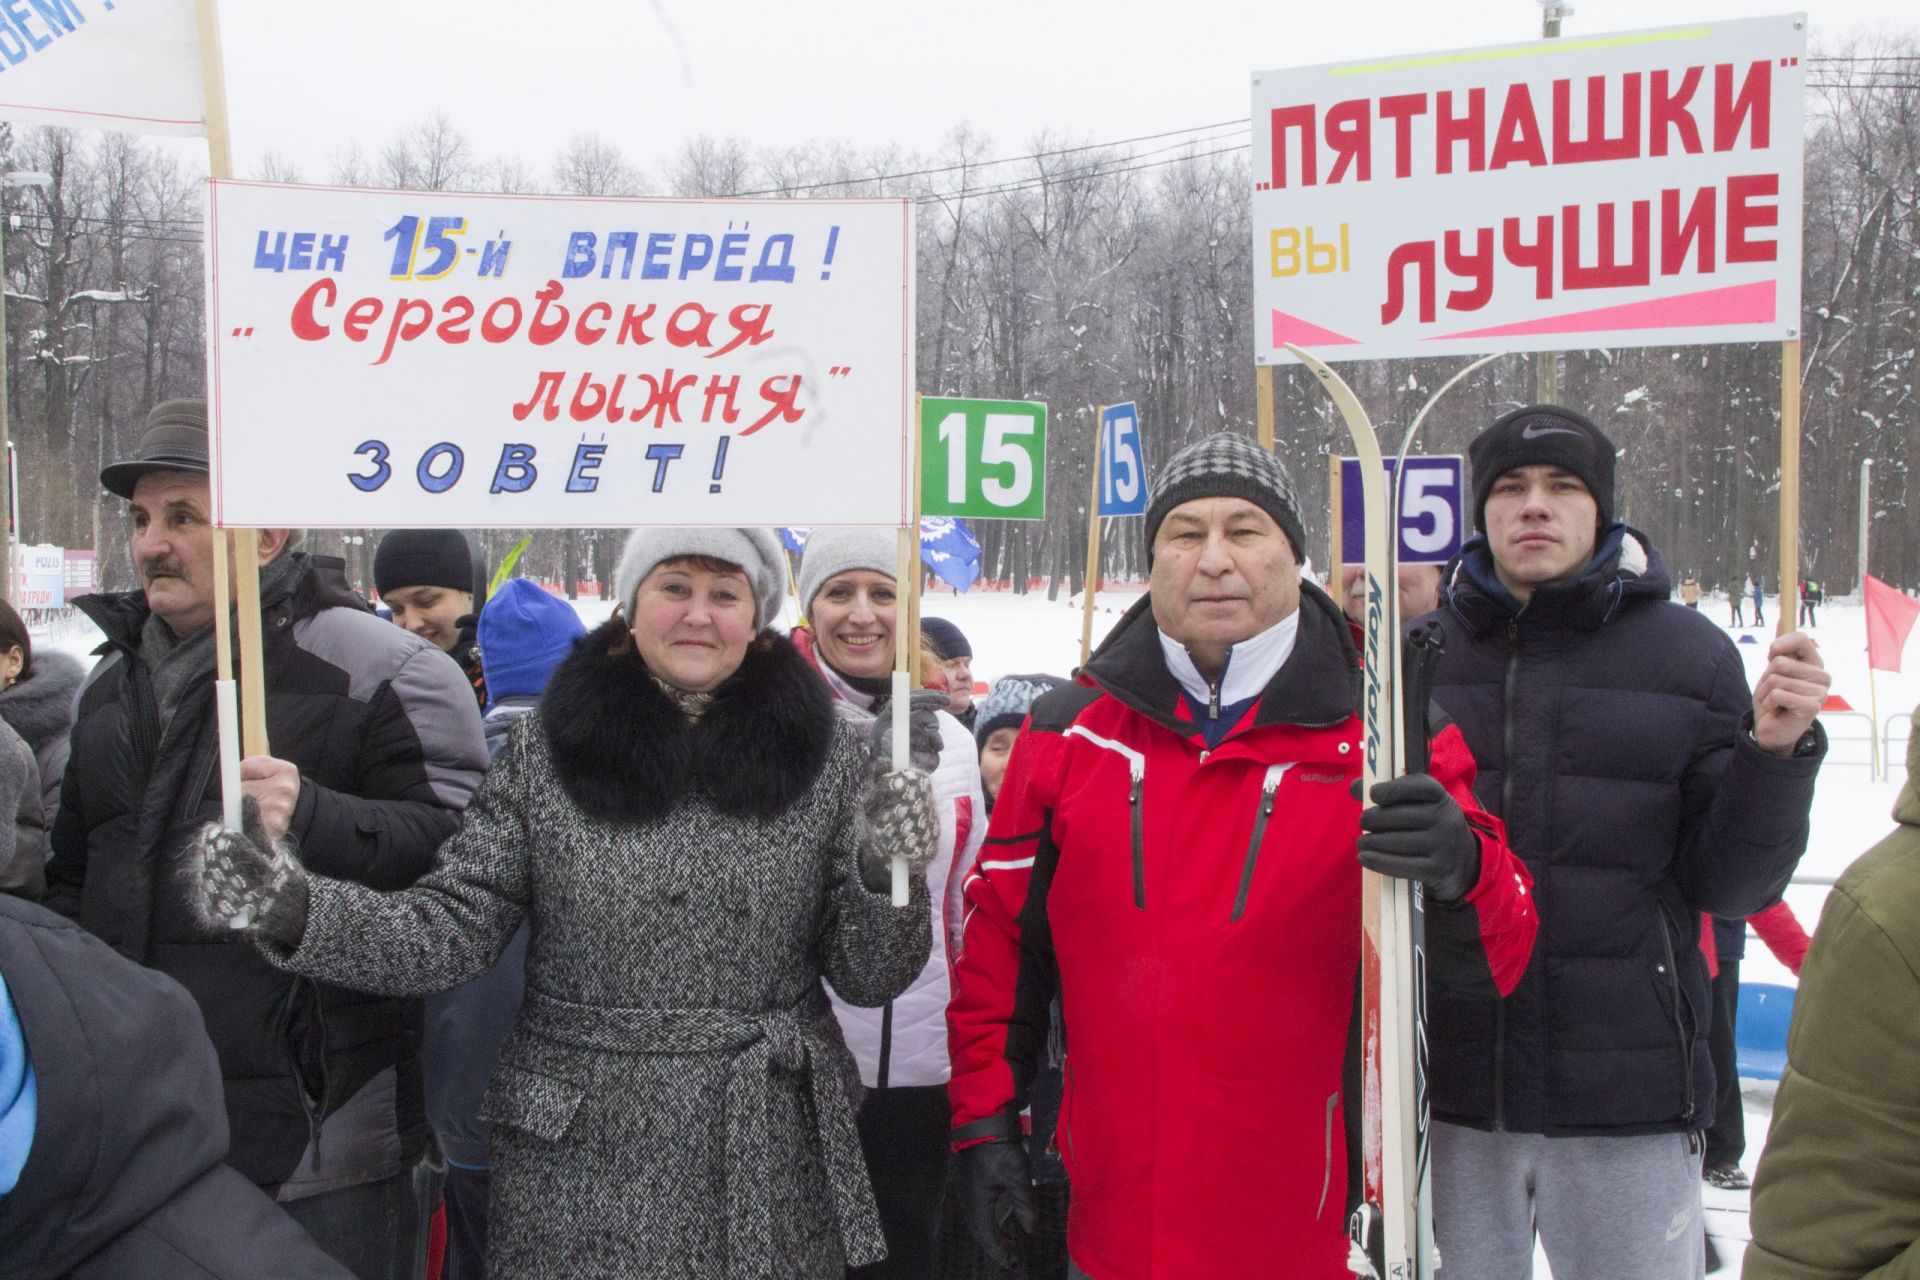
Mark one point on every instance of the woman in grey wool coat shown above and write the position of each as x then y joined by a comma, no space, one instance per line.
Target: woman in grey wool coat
697,841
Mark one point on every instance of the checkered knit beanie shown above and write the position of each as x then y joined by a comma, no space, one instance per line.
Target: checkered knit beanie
1008,703
1224,465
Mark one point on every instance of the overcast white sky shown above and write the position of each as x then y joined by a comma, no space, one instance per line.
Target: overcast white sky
522,78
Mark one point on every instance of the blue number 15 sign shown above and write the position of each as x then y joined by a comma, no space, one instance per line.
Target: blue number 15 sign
1431,510
1123,468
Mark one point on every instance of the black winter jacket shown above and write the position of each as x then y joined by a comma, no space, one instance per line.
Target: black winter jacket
387,738
124,1175
1613,733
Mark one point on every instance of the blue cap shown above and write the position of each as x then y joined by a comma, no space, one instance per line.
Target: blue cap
523,633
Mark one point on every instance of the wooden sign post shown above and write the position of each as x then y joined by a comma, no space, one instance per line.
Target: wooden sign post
1093,546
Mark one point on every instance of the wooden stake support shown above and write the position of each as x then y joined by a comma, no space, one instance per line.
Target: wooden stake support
1789,611
1093,547
236,553
906,631
1336,531
1263,405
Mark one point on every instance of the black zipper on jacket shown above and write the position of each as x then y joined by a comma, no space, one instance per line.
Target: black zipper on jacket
1506,814
886,1045
1066,1115
1267,790
1139,844
1679,1023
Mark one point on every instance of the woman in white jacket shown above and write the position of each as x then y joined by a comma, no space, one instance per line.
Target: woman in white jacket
848,592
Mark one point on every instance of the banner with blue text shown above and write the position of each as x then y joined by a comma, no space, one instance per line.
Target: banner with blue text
393,359
128,65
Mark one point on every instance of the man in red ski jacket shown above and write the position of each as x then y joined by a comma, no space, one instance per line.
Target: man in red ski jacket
1173,851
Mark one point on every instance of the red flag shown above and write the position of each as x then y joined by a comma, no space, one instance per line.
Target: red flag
1890,616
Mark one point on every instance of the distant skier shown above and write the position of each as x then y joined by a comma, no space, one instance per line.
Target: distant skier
1759,619
1172,851
1811,597
1642,785
1736,588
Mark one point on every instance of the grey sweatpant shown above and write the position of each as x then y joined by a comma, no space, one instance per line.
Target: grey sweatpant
1604,1208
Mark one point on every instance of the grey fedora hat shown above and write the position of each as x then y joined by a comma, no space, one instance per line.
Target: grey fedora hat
175,440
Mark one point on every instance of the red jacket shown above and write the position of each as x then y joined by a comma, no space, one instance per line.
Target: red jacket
1199,912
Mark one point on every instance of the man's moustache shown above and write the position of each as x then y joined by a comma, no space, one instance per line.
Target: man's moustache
164,569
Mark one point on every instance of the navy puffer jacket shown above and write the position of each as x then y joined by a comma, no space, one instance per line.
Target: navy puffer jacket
1612,729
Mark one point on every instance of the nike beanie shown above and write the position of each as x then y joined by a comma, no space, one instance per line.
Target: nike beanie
1543,435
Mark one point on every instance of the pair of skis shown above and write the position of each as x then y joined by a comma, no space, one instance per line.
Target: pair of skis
1391,1231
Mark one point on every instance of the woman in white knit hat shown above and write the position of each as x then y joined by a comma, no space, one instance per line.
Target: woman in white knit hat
849,596
698,841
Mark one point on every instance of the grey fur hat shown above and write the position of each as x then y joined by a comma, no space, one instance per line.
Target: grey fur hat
756,551
833,551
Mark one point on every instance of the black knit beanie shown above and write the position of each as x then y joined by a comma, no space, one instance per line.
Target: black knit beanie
1225,465
426,558
1543,435
948,640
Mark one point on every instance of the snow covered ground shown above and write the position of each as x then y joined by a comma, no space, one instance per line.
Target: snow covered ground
1851,809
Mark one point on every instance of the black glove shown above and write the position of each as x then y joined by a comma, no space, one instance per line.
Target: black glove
246,880
924,738
996,1189
1416,831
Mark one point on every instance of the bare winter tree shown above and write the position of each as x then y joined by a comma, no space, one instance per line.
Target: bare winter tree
1076,275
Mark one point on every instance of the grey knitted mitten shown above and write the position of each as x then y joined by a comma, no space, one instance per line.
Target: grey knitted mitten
900,821
246,880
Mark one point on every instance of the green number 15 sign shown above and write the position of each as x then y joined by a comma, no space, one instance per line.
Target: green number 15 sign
983,459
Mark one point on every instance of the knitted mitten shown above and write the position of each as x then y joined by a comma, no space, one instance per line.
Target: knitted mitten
901,821
246,880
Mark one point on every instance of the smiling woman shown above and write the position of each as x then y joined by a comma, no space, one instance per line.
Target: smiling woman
697,842
848,592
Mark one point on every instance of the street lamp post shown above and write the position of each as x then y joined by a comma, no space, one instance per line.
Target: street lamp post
7,517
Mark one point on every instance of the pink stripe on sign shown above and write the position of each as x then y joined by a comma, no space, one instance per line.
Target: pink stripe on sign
1735,304
1305,333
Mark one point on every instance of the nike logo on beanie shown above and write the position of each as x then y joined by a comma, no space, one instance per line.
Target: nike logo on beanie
1533,431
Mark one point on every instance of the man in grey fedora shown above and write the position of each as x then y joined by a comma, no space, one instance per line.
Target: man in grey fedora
375,747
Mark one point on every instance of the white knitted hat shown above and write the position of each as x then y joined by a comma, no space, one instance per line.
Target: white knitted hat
833,551
756,551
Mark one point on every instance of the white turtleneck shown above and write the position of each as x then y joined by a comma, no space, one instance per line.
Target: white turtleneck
1249,665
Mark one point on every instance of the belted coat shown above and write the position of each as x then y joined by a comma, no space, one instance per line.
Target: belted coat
675,1099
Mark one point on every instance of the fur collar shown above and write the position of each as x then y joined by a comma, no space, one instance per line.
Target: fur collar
625,752
41,709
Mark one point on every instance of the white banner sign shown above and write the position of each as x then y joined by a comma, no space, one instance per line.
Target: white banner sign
393,359
39,577
1641,189
132,65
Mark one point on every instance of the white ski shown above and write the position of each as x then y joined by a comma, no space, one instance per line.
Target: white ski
1392,1230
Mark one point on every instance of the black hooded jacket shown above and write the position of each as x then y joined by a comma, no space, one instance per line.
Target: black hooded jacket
124,1177
387,739
1613,733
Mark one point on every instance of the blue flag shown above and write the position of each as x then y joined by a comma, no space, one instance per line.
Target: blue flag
794,540
949,550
